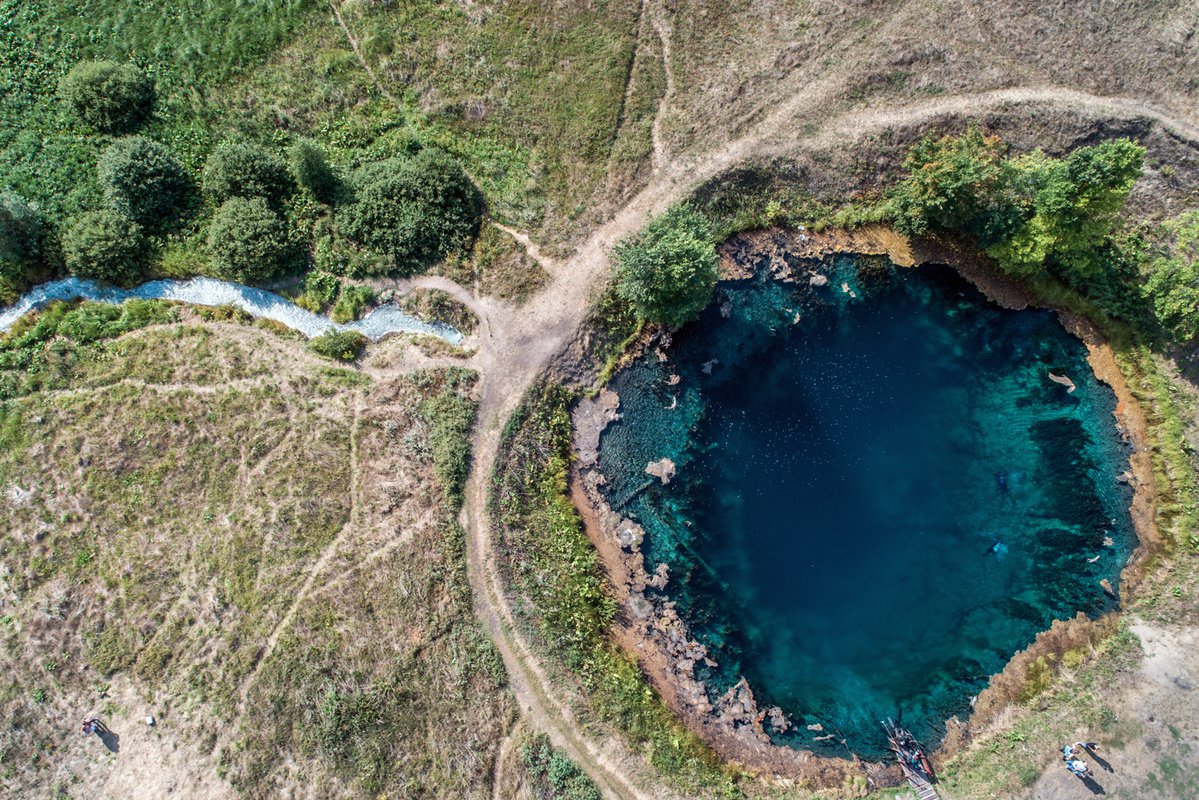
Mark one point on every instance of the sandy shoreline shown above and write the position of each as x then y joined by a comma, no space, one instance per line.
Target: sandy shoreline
650,629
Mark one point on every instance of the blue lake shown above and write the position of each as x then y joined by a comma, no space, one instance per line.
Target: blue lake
881,494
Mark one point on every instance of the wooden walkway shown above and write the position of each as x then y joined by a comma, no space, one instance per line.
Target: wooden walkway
924,789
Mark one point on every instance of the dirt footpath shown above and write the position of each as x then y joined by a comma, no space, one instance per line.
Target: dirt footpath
1160,703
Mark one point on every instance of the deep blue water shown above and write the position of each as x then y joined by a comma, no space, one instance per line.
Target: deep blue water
878,504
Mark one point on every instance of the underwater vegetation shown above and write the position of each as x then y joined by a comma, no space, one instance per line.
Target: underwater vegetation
886,485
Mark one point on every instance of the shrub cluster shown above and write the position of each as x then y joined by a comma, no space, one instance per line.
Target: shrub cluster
416,209
144,181
104,245
107,96
41,350
668,269
248,240
1030,212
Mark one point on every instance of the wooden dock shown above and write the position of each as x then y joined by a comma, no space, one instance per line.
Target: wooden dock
924,789
912,760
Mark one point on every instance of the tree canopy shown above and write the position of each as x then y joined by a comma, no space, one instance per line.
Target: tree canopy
952,183
244,169
104,245
668,269
1028,212
1069,207
107,96
144,181
248,240
417,209
1173,281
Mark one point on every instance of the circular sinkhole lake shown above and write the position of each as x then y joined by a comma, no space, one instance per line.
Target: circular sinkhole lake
881,492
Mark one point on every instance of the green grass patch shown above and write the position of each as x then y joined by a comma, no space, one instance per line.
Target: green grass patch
551,773
450,415
45,350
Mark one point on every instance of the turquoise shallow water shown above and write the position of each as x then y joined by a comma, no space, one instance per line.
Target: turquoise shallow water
881,495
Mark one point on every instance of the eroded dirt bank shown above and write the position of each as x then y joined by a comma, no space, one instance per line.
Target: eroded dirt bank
650,628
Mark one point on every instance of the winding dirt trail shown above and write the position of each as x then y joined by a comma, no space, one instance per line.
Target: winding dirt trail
516,344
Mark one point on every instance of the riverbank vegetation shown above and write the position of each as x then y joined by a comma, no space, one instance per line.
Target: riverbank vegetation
495,101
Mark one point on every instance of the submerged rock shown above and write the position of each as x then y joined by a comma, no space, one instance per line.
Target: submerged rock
1064,381
591,417
663,469
778,720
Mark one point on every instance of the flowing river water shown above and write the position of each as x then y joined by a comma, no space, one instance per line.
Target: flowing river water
382,321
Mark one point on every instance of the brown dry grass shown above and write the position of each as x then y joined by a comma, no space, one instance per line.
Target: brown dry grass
251,545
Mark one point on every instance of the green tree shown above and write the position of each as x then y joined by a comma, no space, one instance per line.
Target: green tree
21,231
339,344
312,171
244,169
952,183
248,240
144,181
1172,285
668,269
110,97
417,209
104,245
1069,207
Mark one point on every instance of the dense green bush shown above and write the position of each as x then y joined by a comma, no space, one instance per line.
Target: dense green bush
1030,213
21,231
1068,207
244,169
351,302
248,240
553,776
953,183
312,171
339,344
1173,282
320,291
668,269
110,97
144,181
416,209
451,416
106,246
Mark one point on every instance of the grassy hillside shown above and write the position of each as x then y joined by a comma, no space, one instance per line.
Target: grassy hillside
211,526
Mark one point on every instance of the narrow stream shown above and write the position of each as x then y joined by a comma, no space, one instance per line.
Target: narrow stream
380,322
